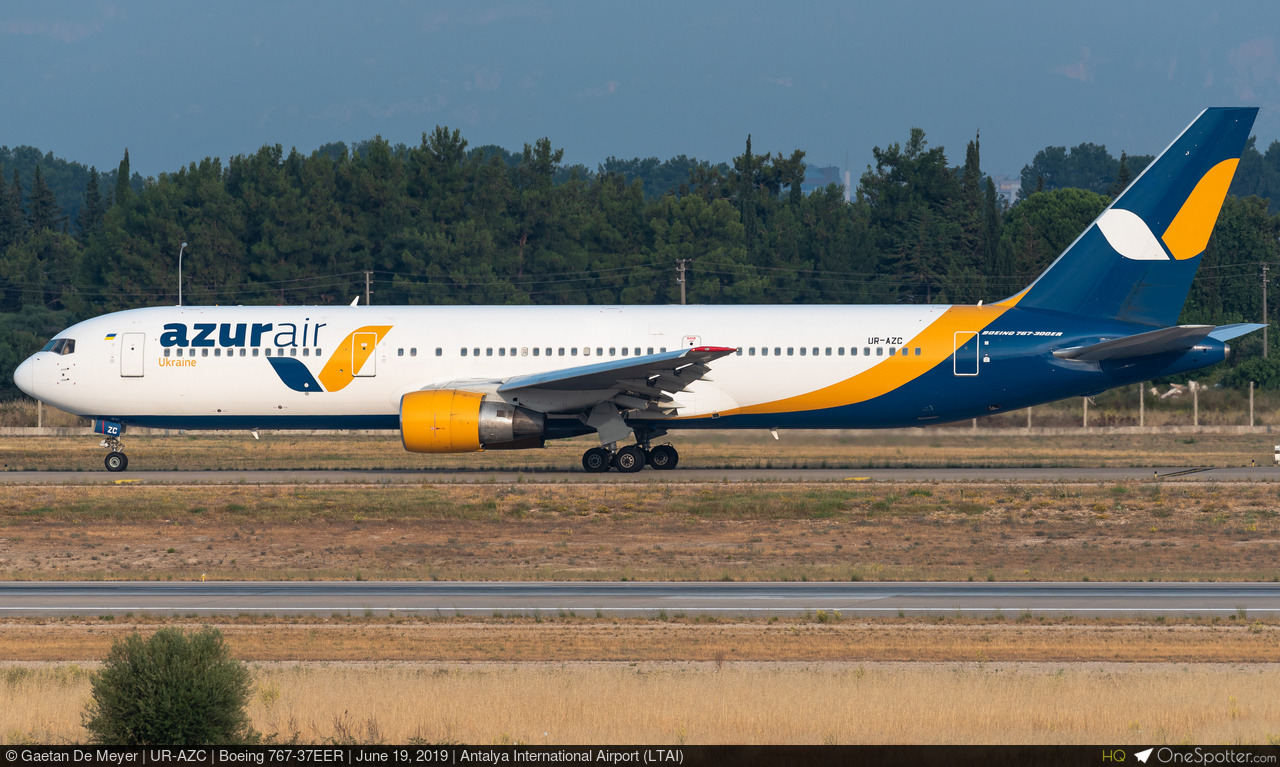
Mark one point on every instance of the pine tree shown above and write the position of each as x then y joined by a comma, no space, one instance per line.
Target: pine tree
123,191
990,227
92,211
42,206
1124,177
13,219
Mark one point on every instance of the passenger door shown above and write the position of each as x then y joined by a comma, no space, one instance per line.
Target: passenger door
132,355
364,362
965,361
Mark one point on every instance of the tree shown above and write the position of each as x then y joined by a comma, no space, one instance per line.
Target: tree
1123,177
93,209
42,207
123,191
171,689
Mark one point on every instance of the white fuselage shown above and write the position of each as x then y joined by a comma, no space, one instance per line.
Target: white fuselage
786,351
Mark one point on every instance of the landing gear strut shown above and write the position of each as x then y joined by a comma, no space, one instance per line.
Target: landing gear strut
116,460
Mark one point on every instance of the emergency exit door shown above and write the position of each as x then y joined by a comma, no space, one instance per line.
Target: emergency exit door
132,351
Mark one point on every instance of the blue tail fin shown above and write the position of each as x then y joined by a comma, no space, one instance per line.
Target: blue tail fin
1135,262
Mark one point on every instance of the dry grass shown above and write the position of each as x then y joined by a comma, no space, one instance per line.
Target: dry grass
948,447
565,638
746,703
680,531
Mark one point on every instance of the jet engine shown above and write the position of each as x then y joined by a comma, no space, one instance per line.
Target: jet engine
452,421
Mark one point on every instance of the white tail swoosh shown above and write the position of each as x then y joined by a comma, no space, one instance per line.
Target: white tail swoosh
1130,236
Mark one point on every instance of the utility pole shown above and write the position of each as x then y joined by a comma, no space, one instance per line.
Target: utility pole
681,265
1265,266
366,287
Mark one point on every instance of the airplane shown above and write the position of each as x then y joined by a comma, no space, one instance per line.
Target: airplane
456,379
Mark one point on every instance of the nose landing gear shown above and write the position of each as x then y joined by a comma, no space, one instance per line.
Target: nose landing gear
116,460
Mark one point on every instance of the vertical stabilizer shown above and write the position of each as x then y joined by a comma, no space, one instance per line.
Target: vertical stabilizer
1135,262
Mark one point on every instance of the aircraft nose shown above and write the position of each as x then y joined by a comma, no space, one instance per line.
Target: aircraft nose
25,377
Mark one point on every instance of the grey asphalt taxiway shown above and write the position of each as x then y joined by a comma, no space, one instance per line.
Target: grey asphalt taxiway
399,476
635,598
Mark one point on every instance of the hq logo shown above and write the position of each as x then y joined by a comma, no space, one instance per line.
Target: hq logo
349,361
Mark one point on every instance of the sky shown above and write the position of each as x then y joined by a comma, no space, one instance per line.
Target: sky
179,81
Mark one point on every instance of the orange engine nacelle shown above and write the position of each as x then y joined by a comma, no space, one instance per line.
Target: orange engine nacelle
452,421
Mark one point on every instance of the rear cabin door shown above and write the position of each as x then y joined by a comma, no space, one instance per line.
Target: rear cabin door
363,361
965,361
131,355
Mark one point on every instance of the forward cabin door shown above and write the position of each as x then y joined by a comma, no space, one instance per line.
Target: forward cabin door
363,361
965,361
132,361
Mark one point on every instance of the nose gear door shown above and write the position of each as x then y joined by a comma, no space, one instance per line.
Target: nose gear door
132,360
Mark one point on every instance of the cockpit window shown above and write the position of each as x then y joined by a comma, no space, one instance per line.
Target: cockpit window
61,346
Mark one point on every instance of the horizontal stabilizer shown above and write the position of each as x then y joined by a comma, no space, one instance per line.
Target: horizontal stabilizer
1179,338
1228,332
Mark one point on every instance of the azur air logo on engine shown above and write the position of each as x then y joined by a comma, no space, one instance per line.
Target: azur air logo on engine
349,361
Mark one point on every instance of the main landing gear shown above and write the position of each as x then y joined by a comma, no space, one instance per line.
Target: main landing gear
630,459
116,460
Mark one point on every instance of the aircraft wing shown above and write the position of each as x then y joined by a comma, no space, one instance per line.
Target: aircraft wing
644,382
1173,339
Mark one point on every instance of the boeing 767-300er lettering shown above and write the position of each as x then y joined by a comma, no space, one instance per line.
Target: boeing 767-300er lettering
466,378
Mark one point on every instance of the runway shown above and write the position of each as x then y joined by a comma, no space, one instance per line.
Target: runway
924,474
91,599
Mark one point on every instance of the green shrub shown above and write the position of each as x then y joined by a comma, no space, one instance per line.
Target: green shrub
170,689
